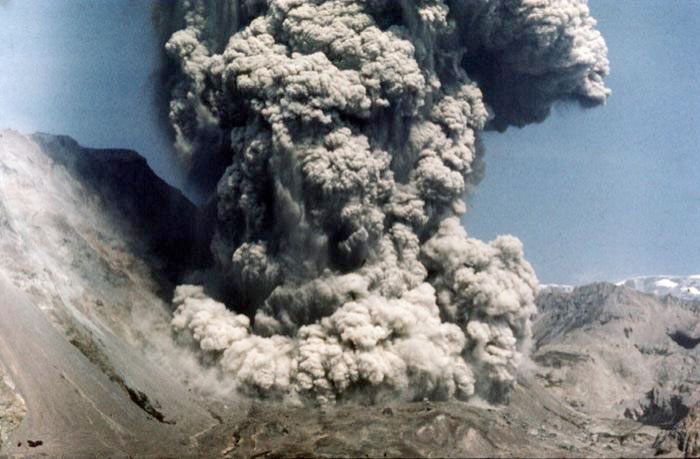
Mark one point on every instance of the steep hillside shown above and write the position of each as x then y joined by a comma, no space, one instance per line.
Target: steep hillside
90,242
75,406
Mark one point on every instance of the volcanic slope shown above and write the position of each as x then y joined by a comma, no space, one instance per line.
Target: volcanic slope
85,265
75,409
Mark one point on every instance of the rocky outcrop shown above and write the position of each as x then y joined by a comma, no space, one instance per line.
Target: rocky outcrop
12,407
684,438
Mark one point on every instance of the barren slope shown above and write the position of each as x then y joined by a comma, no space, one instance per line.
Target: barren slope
75,409
86,263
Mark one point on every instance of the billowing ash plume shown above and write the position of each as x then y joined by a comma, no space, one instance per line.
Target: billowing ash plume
342,136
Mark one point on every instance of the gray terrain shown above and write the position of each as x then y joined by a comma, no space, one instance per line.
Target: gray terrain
613,351
90,244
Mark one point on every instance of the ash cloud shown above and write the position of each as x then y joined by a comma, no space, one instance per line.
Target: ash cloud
338,139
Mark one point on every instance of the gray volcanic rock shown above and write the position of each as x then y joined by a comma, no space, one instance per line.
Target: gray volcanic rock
614,351
80,226
534,424
73,408
168,223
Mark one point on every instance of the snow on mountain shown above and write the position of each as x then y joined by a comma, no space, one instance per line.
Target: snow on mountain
684,287
556,288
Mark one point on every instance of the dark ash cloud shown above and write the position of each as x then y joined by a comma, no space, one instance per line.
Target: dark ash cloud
338,139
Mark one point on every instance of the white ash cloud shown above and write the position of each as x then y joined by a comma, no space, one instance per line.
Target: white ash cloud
344,135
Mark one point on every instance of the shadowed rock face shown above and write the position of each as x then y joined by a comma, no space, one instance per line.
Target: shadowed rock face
684,340
169,224
683,439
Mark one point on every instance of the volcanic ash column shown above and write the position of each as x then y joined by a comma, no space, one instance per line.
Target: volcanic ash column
342,137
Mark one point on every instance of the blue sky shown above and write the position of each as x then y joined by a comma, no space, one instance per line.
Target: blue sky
611,192
83,68
594,195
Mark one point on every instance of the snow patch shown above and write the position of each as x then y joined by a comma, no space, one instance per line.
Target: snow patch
666,283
